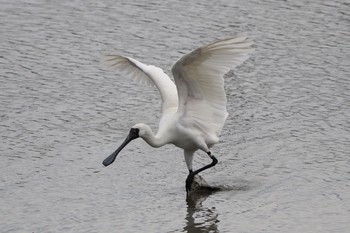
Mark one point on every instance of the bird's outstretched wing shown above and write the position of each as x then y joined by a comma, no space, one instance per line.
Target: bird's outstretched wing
200,83
145,74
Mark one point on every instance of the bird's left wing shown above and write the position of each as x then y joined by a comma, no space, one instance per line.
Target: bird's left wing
145,74
200,84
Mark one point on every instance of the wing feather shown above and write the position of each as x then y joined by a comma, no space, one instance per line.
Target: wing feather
200,83
145,75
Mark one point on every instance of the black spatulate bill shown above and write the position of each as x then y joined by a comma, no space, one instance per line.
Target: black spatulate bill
133,134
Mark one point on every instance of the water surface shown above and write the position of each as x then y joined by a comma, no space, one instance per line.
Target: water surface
284,151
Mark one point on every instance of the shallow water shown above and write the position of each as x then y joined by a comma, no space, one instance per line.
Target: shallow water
283,155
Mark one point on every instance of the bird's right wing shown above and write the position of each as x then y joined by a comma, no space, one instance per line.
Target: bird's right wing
145,74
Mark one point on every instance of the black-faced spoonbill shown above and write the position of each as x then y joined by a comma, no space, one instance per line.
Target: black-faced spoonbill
194,108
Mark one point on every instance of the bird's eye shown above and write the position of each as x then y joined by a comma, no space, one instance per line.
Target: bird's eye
135,130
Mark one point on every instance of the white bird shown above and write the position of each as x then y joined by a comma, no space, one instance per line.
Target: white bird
194,108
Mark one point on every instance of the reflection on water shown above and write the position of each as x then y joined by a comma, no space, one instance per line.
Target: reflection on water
199,218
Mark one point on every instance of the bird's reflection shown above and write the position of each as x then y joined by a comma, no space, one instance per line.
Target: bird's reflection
199,218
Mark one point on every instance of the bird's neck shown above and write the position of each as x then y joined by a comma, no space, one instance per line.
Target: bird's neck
153,140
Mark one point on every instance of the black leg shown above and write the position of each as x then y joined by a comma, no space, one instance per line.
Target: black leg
190,177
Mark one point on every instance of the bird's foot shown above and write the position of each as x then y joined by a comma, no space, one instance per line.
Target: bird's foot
189,182
195,182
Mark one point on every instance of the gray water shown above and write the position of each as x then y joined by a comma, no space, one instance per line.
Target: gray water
283,155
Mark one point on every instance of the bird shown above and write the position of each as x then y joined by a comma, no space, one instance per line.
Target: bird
194,107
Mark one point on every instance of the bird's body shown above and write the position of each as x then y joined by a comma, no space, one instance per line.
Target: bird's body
194,107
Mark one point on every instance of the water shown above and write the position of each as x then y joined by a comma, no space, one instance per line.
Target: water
283,155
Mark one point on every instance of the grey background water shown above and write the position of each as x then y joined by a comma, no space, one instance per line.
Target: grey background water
283,154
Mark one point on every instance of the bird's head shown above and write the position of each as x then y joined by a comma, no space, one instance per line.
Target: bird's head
143,130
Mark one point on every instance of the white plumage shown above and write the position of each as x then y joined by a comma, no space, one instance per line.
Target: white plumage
193,110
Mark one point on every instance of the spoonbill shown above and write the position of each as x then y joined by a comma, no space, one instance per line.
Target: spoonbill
194,108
